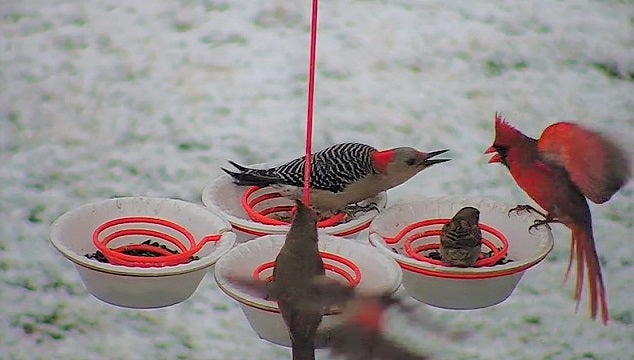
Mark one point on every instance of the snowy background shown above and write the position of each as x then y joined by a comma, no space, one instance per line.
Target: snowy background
105,98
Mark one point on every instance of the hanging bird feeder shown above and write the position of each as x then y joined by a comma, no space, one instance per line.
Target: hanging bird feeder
141,252
410,232
148,253
261,203
498,245
254,211
337,266
347,261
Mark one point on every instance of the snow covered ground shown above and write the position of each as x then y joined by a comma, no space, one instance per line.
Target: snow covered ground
104,98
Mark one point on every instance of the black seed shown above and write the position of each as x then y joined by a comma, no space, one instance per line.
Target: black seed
97,255
434,255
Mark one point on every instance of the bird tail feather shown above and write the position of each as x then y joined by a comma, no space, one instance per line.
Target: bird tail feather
250,177
584,252
303,350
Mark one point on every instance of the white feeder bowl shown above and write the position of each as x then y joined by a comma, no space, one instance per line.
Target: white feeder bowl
379,274
459,287
224,197
140,287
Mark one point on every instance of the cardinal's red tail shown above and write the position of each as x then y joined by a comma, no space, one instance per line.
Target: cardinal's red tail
584,253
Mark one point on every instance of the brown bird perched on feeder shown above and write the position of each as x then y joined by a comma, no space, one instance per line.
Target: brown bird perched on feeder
360,333
461,238
296,264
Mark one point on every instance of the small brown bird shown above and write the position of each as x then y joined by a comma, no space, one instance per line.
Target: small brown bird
359,335
297,263
461,238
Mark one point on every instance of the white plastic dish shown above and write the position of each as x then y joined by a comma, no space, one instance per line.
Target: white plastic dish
224,197
457,287
379,274
140,287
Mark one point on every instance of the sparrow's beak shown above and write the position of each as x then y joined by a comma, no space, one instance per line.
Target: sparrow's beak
496,157
427,158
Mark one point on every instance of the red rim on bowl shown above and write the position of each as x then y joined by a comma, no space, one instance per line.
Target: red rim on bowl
341,233
117,256
262,216
415,252
339,265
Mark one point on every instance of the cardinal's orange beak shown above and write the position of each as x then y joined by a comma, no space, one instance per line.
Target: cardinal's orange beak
496,158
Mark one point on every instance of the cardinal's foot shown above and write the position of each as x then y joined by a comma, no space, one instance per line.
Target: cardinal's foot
528,209
538,223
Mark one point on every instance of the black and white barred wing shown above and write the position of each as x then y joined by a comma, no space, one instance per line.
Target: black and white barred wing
332,169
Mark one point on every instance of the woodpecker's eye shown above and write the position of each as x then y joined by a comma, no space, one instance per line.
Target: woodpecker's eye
410,161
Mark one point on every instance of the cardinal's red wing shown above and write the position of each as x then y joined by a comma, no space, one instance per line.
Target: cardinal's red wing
594,162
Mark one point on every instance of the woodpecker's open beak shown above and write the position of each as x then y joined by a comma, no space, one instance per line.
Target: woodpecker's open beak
496,157
427,158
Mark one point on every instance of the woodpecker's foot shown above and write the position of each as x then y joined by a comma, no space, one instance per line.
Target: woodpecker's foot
373,206
528,209
353,209
324,214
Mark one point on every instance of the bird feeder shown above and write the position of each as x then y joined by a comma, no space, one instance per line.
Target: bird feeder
164,230
260,203
412,234
254,211
409,232
337,267
347,261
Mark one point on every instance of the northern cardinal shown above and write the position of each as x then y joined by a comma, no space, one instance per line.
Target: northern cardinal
297,263
461,238
568,164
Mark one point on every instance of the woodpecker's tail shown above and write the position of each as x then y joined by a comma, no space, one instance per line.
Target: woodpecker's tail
251,177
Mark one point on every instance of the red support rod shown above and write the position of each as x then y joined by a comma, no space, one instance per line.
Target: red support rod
311,97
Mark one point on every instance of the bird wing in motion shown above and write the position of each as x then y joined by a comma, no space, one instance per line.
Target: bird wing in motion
594,163
352,343
361,336
321,292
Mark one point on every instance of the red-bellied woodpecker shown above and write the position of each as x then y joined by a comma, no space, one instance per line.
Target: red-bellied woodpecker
342,174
